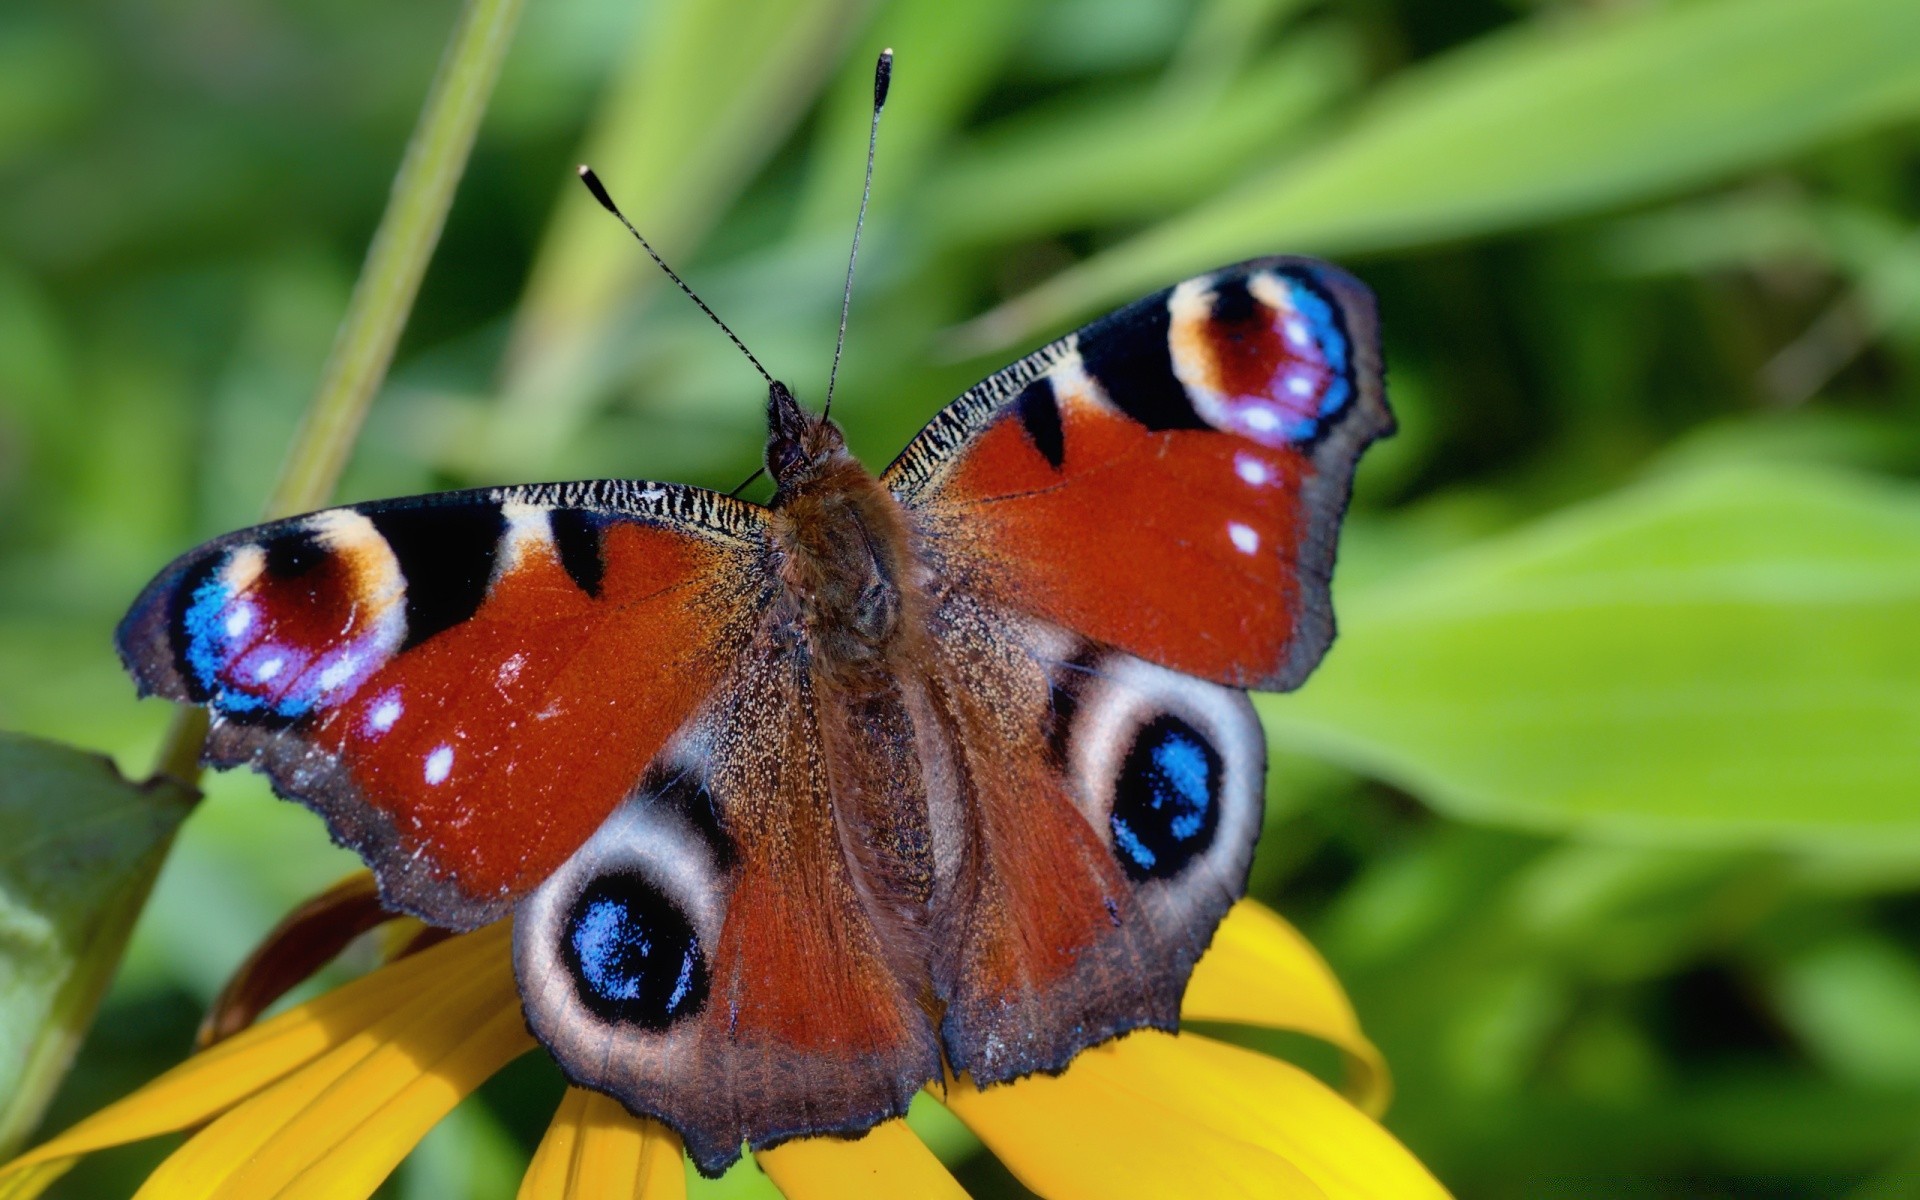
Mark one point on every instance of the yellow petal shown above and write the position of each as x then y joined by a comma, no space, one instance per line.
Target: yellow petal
365,1156
306,939
596,1150
888,1161
340,1125
1271,1103
214,1080
30,1181
1082,1136
1260,971
552,1166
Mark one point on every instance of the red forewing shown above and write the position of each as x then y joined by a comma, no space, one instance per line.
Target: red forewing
1169,480
463,685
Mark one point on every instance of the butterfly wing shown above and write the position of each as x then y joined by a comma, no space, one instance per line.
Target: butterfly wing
1113,806
1168,480
1126,528
463,685
710,956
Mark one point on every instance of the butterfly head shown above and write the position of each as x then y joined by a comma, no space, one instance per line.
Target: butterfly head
800,445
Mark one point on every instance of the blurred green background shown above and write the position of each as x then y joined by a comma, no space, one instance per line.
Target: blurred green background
1606,805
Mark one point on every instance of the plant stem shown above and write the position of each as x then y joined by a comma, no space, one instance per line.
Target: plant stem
389,280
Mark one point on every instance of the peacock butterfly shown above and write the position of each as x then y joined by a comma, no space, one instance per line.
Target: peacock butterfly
795,806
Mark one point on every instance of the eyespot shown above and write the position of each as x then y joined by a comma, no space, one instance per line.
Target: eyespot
269,631
1171,769
1166,799
1264,355
616,942
633,955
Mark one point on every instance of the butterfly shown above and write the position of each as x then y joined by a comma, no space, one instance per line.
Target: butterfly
796,806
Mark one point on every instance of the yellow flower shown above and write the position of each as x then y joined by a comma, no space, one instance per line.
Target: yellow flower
325,1099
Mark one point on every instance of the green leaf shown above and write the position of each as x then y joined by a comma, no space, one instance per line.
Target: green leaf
1556,118
1854,1002
1730,656
1136,154
79,847
397,260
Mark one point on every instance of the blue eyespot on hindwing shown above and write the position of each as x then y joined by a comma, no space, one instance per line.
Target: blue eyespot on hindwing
1166,799
1172,769
634,957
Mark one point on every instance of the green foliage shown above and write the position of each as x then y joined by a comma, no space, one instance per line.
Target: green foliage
79,846
1550,119
1604,804
1723,657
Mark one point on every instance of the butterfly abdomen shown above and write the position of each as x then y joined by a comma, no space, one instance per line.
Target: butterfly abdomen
853,600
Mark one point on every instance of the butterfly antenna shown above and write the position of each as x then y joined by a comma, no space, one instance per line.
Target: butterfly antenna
757,473
600,193
882,78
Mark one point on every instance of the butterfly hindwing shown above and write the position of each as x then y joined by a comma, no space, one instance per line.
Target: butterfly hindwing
1170,479
713,957
1113,807
463,685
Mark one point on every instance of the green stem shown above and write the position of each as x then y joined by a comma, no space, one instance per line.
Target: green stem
179,758
389,280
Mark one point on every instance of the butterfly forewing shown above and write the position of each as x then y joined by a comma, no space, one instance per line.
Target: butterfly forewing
1170,479
463,685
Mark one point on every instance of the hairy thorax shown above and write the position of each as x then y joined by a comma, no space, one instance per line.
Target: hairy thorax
850,576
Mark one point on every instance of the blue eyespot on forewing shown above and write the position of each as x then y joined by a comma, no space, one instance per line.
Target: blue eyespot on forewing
274,624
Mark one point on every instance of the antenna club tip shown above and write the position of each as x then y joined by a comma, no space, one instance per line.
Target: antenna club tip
882,76
599,192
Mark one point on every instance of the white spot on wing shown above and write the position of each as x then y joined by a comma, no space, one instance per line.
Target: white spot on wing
439,764
268,669
238,620
1245,539
243,567
529,528
510,669
377,588
1072,385
339,671
385,713
1253,470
